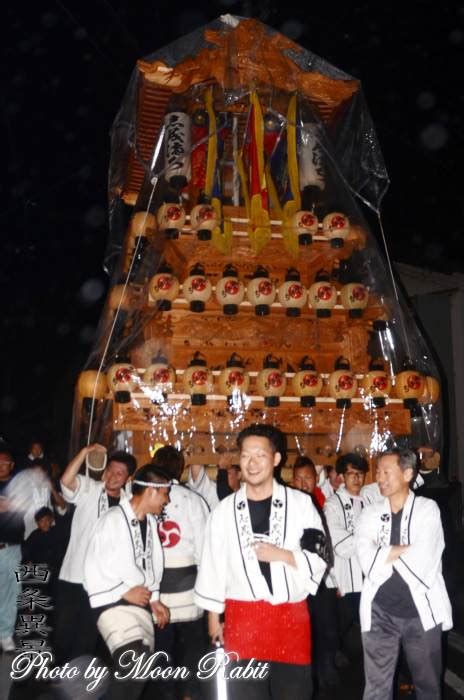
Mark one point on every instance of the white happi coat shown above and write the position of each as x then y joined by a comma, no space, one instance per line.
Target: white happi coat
181,534
342,516
229,567
91,501
204,486
419,566
116,559
370,493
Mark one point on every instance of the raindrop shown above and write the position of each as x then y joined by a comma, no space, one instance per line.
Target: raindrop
426,100
95,216
87,334
434,136
456,36
91,291
292,28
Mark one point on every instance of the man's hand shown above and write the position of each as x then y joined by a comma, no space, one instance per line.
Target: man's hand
215,628
269,552
68,478
138,595
5,504
161,612
396,551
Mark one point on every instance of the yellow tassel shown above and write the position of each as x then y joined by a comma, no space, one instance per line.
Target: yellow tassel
292,157
221,239
289,233
259,227
212,144
274,197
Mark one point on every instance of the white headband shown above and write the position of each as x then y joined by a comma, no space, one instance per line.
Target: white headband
153,485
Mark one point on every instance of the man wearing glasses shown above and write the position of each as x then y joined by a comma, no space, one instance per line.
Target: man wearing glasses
342,512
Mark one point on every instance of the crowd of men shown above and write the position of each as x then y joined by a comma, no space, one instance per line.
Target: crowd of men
296,580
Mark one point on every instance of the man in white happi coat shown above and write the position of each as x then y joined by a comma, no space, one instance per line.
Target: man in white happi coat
399,543
342,512
181,534
257,568
123,567
76,632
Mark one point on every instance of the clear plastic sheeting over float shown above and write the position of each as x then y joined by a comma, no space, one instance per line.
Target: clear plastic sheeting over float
245,283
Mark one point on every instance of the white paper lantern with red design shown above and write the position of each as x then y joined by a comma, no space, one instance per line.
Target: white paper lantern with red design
306,224
376,384
122,380
164,287
307,383
342,383
230,291
234,379
336,227
203,219
322,295
160,378
409,386
292,293
197,288
171,219
261,291
354,297
271,382
198,380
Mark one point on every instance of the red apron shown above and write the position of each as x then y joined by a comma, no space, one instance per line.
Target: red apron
259,630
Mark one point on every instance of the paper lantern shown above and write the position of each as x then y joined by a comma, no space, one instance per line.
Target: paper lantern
342,383
196,288
306,224
164,287
261,291
234,379
292,293
409,386
122,380
230,291
92,383
376,383
336,227
203,219
271,382
171,219
160,378
322,295
354,297
307,383
198,380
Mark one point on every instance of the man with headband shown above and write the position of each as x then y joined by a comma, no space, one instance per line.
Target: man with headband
122,573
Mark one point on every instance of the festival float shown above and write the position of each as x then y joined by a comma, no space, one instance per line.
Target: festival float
246,285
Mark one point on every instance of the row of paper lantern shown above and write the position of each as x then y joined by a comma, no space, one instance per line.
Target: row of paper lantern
260,291
171,217
159,379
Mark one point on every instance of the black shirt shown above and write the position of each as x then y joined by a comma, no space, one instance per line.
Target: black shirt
113,500
394,595
260,515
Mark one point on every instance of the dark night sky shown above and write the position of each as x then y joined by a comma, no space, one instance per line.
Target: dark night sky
66,65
